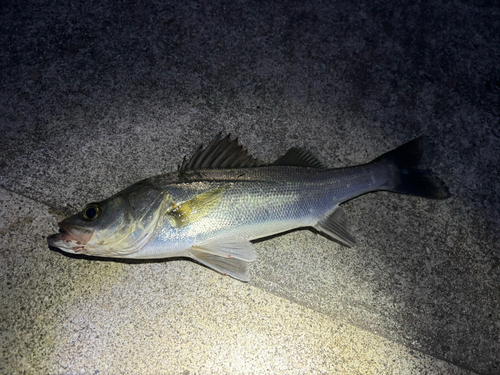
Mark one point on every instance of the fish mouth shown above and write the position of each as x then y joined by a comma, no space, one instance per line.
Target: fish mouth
70,238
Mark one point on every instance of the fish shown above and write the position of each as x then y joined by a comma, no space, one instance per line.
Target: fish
222,199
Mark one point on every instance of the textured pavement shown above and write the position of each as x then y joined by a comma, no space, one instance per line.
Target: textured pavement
95,97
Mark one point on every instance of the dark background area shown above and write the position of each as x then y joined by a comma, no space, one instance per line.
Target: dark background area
95,96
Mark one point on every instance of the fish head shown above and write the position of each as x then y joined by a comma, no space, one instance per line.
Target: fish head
117,226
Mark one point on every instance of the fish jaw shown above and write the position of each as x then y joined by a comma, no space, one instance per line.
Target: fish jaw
70,239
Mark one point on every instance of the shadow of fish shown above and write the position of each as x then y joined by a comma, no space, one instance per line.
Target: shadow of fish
221,199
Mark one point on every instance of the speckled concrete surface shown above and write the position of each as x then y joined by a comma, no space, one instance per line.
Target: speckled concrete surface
68,316
96,96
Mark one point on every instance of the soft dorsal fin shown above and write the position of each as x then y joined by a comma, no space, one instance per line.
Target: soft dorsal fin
221,153
298,157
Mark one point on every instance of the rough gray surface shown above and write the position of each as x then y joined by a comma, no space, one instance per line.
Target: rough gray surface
95,97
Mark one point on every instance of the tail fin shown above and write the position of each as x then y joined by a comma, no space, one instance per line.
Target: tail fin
413,175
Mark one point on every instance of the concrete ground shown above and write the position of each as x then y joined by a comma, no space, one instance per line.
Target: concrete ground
96,96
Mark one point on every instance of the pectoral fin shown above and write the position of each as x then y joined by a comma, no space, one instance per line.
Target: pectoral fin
336,226
196,208
233,267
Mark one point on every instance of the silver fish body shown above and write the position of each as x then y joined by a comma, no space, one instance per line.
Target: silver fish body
222,198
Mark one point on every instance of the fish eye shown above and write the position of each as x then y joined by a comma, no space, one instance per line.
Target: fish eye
91,211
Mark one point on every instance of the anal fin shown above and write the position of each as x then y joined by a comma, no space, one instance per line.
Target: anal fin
336,226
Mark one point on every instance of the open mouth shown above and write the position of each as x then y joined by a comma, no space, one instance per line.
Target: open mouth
70,233
70,238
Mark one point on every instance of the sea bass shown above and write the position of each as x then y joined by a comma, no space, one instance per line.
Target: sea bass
222,198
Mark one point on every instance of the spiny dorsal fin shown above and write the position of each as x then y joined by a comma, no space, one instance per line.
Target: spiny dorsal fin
196,208
221,153
298,157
